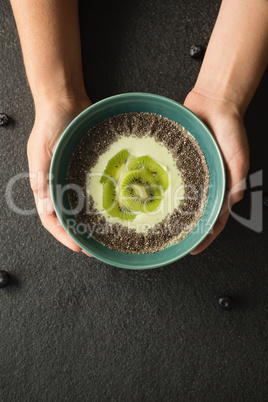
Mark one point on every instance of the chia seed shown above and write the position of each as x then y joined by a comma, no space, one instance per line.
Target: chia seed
189,159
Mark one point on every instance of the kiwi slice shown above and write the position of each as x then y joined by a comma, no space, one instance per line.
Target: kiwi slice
139,191
111,205
115,166
148,163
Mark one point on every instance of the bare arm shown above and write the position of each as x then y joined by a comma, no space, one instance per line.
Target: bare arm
50,41
237,54
234,63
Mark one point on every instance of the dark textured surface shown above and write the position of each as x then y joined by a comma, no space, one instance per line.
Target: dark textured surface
75,329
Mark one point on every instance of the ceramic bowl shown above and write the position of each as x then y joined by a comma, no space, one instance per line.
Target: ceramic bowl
138,102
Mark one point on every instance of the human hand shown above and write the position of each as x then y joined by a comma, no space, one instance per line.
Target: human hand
226,123
51,120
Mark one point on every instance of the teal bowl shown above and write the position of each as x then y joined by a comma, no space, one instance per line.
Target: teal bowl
137,102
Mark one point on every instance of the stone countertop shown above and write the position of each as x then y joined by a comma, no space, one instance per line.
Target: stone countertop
75,329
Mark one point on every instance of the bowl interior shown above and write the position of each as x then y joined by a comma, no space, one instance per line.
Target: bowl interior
136,102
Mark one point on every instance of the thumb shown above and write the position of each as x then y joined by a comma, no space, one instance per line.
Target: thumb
39,158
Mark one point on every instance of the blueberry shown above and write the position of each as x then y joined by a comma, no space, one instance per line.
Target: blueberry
3,119
265,200
4,279
226,302
197,51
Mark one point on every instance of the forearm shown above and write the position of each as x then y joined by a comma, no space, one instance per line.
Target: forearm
237,53
50,41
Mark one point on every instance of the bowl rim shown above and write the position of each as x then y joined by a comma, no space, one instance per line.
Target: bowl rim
99,105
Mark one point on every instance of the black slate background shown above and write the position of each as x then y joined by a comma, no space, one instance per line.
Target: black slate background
75,329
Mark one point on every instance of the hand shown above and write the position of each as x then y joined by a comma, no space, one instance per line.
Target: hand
51,120
226,123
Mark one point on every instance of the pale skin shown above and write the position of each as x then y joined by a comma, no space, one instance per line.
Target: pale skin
235,60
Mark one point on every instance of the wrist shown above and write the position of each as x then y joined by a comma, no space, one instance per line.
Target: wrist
213,108
64,104
220,94
69,99
57,90
208,103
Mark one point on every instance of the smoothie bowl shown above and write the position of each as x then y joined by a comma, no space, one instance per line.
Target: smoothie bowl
137,180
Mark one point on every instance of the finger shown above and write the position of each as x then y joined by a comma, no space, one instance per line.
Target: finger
39,163
216,230
83,251
236,180
52,224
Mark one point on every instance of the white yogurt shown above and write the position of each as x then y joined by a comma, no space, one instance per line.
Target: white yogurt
140,147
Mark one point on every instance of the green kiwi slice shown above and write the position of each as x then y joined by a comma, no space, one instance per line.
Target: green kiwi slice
148,163
115,166
111,205
139,191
